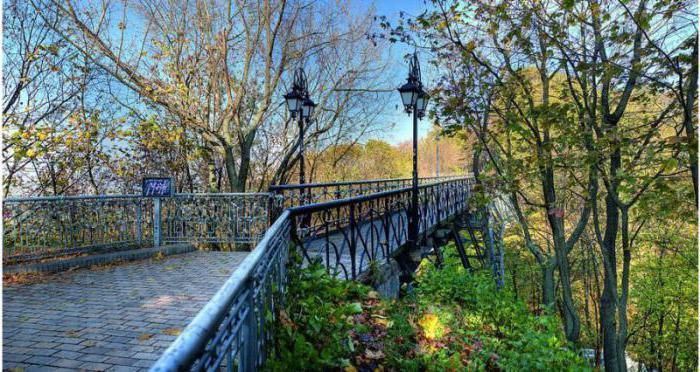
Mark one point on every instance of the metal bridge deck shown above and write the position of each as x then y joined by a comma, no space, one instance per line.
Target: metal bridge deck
108,318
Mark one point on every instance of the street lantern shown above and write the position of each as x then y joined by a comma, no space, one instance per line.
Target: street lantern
415,100
307,108
302,108
294,100
409,94
422,103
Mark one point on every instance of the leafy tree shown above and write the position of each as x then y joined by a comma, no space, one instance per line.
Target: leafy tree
218,69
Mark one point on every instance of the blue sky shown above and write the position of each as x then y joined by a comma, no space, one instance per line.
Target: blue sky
402,128
402,131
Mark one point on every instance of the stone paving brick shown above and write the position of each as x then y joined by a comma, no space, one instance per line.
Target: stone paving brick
143,363
121,361
45,345
93,358
42,360
22,343
35,368
73,342
124,369
10,357
91,366
142,349
67,354
147,356
80,319
119,339
41,352
68,363
12,365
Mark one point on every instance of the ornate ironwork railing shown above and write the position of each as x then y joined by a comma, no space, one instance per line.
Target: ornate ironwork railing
367,223
230,331
312,193
215,218
45,227
37,228
348,234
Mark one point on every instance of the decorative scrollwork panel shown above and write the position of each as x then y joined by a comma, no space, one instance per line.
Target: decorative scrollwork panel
215,218
37,228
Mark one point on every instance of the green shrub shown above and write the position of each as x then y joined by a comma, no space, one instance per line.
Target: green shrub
461,321
313,330
453,320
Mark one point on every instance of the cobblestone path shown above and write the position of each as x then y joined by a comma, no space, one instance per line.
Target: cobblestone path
116,318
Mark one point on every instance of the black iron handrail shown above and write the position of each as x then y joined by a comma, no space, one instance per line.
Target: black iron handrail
362,182
232,329
310,208
346,234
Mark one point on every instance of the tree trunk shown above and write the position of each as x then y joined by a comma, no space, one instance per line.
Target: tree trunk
677,327
660,335
476,166
555,218
238,180
596,307
572,323
211,175
586,288
608,301
622,304
688,121
548,288
231,173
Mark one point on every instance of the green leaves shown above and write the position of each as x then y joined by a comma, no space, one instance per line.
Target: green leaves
355,308
313,329
458,320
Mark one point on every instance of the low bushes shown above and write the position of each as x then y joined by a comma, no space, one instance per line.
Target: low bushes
452,320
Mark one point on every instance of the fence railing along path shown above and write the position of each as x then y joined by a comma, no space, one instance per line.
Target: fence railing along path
232,329
46,227
345,225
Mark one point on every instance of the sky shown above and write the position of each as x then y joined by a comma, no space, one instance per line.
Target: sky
402,130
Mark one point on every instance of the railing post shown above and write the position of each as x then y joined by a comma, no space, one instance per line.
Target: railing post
388,219
438,195
353,241
139,222
250,335
156,222
71,224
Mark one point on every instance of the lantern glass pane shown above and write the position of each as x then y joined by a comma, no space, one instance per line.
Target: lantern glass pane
422,102
293,101
407,98
307,108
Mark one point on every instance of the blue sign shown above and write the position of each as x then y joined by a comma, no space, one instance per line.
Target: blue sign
157,187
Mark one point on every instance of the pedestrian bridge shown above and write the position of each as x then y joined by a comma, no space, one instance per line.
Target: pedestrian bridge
201,309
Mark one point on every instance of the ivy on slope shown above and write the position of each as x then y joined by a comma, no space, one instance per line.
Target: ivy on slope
451,320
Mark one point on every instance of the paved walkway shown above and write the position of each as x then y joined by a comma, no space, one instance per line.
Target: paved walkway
118,318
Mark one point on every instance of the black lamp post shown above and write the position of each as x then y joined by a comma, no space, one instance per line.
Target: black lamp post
415,100
301,107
